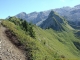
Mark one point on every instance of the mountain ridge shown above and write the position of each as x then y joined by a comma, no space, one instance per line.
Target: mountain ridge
69,13
53,21
48,44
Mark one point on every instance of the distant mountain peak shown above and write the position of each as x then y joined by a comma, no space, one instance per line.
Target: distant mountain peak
53,21
23,13
33,12
77,6
52,13
55,16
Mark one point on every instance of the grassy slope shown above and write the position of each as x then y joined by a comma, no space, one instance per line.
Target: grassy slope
49,44
58,42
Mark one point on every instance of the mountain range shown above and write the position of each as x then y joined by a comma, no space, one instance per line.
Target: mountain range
71,14
55,40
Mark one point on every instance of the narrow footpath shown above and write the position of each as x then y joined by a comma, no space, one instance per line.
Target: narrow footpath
9,51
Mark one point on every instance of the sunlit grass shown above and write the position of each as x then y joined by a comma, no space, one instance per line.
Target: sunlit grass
48,44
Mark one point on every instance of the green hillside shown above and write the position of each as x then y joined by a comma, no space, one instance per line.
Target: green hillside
45,44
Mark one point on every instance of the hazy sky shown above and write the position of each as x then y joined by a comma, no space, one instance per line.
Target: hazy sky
13,7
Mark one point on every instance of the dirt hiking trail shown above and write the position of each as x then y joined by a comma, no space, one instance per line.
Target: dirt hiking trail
9,51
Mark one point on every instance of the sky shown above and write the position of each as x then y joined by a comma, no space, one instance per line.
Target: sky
13,7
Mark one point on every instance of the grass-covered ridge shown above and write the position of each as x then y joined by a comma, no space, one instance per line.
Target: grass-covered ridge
46,44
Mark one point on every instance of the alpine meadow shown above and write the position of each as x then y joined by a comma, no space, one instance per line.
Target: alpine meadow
46,35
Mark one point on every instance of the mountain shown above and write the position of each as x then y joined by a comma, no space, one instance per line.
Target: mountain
44,44
29,17
53,21
56,22
34,17
41,17
71,14
77,6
